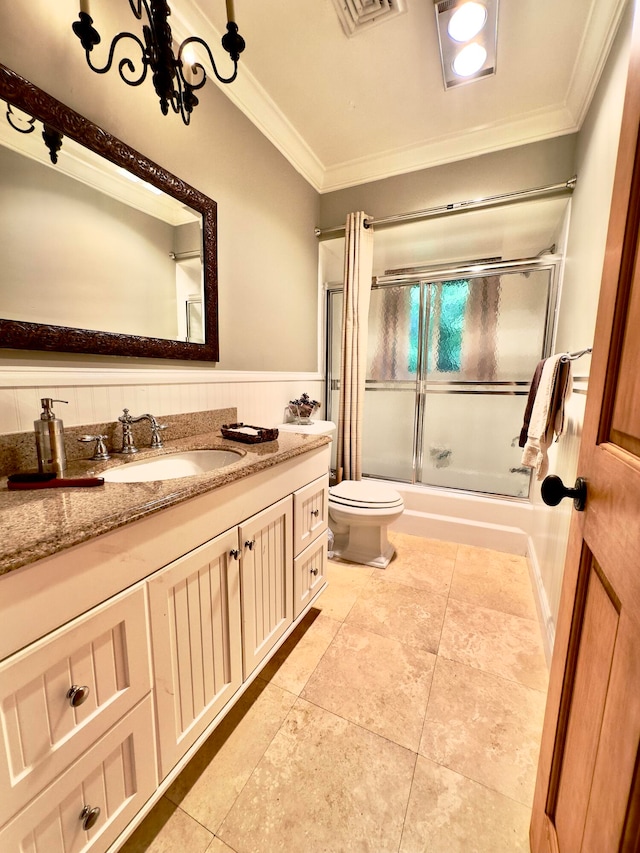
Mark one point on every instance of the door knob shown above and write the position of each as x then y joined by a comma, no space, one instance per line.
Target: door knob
553,490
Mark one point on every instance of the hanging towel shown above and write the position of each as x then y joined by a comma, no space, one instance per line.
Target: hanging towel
535,381
547,413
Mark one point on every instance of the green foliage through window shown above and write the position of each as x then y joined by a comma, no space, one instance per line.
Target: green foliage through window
447,306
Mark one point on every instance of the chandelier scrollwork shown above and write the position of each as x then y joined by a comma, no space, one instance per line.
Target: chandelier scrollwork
175,78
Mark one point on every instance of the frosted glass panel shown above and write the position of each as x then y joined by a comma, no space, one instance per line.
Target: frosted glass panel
487,329
392,347
471,443
387,440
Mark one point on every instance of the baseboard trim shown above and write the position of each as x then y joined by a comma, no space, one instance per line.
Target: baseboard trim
547,623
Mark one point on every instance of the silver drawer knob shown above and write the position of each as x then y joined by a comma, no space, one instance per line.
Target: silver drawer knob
315,512
314,571
89,816
235,554
77,694
250,544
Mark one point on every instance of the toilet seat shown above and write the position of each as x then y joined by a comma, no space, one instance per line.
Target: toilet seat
359,494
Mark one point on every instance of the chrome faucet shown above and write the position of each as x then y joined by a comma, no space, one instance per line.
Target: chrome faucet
128,444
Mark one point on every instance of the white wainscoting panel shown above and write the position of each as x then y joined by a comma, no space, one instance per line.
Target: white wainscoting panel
96,395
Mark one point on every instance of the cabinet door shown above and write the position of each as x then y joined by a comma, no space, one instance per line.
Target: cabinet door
114,779
42,728
196,642
267,580
310,513
309,574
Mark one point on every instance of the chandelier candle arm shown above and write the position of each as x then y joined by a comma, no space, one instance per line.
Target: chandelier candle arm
174,78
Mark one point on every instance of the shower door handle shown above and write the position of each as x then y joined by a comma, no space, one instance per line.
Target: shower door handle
553,490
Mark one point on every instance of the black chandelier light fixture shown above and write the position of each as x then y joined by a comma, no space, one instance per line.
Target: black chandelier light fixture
176,78
23,123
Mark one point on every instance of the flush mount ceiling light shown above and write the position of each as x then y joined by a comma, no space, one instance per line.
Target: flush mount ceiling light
467,31
175,78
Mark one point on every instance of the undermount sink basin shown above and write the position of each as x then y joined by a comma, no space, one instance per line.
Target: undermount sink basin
169,467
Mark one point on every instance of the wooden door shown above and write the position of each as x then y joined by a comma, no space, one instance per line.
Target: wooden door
195,639
587,796
267,580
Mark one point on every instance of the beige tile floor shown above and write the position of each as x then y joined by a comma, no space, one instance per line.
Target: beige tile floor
402,716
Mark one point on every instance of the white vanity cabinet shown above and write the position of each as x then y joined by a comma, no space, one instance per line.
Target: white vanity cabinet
121,654
194,605
77,787
108,784
311,508
267,580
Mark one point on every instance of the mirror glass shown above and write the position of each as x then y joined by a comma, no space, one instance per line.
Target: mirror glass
103,250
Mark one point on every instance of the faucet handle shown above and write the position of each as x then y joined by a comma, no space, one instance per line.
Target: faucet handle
156,438
100,452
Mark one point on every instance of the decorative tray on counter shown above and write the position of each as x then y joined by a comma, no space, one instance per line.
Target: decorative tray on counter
248,434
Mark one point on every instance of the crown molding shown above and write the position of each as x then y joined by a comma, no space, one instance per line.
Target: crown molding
532,127
604,17
253,101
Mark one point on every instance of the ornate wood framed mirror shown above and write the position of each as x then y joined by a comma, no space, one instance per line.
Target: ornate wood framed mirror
113,271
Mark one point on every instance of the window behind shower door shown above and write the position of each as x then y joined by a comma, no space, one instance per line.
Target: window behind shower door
448,369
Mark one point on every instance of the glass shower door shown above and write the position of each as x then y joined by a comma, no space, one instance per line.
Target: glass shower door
390,390
448,368
485,336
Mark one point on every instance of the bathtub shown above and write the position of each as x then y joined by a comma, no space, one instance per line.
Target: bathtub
502,524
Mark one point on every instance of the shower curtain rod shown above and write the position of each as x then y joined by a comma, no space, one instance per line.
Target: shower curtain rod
185,256
457,207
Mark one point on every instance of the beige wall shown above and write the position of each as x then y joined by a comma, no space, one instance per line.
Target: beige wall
595,165
266,211
534,165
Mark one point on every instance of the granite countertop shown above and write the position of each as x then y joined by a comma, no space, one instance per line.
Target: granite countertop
40,523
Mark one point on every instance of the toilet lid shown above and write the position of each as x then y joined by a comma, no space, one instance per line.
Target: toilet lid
362,493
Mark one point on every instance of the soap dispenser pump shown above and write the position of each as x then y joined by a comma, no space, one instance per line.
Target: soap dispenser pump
49,429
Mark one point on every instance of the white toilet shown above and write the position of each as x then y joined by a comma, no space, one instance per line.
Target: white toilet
359,513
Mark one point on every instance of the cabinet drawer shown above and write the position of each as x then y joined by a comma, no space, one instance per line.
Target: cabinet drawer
309,574
105,653
310,513
117,775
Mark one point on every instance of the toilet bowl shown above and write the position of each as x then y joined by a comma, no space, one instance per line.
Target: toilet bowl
359,514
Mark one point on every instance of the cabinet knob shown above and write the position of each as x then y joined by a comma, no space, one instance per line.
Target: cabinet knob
250,544
314,571
89,816
235,554
315,512
77,694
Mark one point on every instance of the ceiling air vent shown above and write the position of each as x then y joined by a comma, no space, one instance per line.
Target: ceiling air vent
358,15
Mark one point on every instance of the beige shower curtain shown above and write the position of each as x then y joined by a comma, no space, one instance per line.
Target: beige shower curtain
358,269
